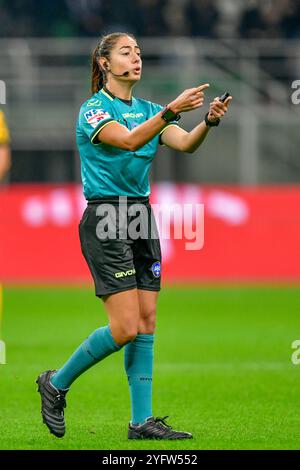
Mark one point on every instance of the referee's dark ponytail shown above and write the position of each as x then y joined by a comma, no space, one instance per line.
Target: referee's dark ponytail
103,49
97,74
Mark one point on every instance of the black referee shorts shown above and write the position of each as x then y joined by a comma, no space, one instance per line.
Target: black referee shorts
120,242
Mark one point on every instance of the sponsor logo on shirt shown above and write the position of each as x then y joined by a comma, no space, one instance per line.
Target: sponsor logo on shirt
132,115
94,116
94,102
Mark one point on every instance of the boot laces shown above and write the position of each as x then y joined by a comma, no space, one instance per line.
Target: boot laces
59,402
162,422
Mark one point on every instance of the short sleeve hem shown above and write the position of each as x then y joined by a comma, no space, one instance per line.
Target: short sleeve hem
161,132
98,129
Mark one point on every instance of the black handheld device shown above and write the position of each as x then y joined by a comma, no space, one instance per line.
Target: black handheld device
224,96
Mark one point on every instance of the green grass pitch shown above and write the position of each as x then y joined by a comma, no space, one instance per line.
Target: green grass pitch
222,371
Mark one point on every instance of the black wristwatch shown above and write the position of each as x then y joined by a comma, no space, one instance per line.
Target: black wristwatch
168,115
211,123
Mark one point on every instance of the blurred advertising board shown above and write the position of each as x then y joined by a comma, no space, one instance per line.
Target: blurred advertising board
248,234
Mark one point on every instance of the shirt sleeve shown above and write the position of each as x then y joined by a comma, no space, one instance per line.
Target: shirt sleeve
92,120
4,134
172,123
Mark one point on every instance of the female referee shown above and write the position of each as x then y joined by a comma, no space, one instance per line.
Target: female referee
117,137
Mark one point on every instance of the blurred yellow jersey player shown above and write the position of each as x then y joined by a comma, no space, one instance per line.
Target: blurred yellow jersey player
5,160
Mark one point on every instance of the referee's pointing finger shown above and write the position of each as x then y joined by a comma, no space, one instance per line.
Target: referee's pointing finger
203,87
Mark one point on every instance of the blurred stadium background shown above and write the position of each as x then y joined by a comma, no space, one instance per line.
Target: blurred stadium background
237,372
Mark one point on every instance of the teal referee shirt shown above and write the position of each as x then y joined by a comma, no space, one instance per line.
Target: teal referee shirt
108,170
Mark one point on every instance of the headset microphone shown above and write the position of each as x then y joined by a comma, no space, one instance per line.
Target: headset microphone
125,74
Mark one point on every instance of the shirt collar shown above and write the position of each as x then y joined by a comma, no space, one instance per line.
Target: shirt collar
106,91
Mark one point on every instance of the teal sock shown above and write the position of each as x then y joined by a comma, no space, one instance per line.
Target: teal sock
138,361
96,347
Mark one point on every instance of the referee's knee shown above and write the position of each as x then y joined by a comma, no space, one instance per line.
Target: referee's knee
124,333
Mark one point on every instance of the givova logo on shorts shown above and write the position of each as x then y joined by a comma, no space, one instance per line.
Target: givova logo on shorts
130,272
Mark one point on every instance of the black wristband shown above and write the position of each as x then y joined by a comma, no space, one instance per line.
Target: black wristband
168,115
211,123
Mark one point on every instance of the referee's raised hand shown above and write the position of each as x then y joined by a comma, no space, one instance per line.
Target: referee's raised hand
189,99
217,108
